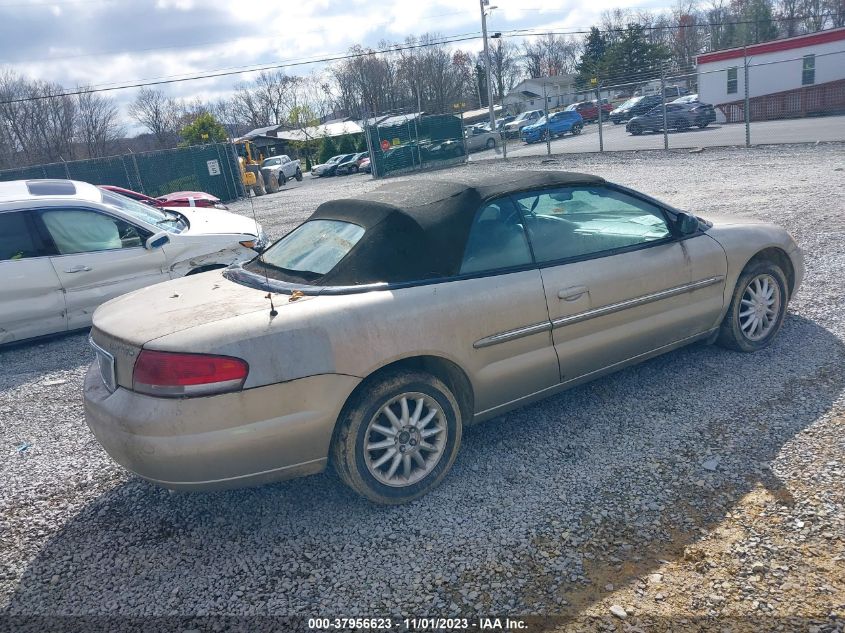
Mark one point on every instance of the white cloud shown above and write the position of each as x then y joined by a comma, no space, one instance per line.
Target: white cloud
102,42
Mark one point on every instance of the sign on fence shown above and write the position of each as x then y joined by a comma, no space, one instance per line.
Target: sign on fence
213,167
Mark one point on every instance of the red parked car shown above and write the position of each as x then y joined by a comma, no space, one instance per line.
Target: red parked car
175,199
589,110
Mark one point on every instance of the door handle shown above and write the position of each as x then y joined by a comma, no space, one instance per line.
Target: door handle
82,268
573,293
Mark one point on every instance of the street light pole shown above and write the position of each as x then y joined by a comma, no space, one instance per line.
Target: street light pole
483,4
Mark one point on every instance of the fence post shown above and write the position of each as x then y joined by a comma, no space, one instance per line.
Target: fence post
222,172
663,102
464,136
129,184
502,134
546,110
601,114
747,107
67,171
239,183
370,146
137,171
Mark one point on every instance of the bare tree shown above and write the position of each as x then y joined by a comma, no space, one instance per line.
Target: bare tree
789,12
814,14
504,67
158,114
550,55
836,10
98,124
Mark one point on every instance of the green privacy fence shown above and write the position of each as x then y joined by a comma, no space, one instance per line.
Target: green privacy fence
212,168
412,142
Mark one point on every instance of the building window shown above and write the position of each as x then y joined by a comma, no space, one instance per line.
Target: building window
808,70
732,82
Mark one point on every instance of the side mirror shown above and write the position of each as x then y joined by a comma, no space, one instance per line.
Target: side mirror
156,240
686,223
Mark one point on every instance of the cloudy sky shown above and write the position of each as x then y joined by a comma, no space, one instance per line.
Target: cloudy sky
102,42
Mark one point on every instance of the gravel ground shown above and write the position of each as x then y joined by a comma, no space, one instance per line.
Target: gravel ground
702,489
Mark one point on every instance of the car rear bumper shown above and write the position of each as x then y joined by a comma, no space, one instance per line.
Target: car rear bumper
229,440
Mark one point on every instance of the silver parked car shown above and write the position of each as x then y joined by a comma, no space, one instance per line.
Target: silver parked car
478,138
373,333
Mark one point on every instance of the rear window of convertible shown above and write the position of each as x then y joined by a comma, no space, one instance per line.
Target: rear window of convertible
315,247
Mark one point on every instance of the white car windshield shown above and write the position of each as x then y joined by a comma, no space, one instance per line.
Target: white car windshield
314,247
271,161
164,220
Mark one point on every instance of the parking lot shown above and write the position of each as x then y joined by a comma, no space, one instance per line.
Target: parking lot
705,485
831,128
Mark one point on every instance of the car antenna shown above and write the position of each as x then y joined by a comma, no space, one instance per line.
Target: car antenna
273,311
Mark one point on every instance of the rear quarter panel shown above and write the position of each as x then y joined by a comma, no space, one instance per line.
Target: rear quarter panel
356,334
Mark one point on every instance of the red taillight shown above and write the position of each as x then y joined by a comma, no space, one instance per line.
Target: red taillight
172,374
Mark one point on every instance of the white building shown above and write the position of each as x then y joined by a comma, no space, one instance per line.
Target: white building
528,94
791,77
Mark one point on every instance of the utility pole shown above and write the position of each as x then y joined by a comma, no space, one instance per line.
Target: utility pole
747,103
483,4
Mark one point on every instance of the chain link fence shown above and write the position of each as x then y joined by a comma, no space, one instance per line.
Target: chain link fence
735,100
400,143
212,168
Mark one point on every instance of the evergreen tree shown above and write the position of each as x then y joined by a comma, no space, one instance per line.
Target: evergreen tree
590,64
327,149
755,23
346,145
204,129
633,58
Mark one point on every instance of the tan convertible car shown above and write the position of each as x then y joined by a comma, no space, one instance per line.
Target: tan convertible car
371,334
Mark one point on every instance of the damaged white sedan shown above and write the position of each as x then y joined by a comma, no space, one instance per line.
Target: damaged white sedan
67,246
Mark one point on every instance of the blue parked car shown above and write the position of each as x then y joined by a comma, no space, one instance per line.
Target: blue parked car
559,124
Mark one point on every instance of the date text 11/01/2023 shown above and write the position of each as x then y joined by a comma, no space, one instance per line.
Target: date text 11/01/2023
417,624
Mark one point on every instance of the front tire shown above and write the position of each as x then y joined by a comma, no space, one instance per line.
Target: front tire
298,175
258,189
398,437
576,129
757,309
635,129
491,143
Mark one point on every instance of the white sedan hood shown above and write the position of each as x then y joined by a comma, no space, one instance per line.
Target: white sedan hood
206,221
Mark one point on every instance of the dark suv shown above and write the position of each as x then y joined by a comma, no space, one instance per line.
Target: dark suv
679,116
634,106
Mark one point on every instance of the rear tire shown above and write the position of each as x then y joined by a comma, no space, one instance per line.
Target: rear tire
576,129
491,143
298,175
635,129
760,296
396,460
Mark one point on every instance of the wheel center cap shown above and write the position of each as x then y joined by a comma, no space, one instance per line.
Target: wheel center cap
404,436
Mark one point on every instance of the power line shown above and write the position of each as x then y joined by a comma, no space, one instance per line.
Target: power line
338,57
242,70
662,27
197,44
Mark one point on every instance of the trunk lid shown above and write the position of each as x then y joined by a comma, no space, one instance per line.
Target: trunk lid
208,221
163,309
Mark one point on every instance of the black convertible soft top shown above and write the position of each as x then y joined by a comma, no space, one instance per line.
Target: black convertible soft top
417,229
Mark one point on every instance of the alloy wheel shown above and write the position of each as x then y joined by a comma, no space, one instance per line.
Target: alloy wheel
405,439
759,307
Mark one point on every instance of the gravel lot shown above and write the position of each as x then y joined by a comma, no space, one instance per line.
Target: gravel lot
703,490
